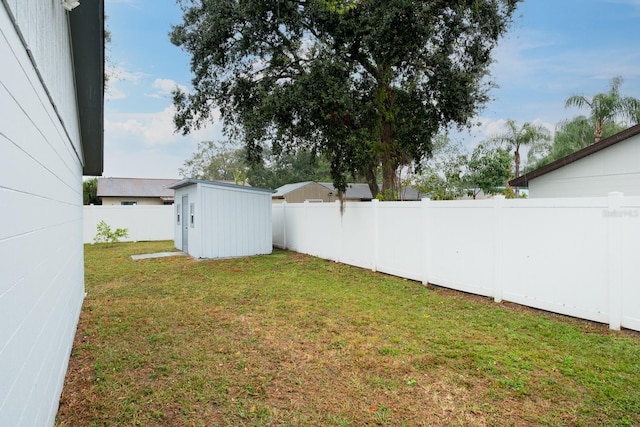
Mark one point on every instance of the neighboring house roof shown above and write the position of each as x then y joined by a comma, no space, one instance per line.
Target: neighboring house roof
523,180
288,188
191,181
135,187
86,24
355,191
358,191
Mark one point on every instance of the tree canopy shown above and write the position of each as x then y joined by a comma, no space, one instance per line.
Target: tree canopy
225,161
453,173
607,107
89,192
216,162
368,83
571,136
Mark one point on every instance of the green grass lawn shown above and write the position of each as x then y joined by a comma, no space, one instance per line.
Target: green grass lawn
291,340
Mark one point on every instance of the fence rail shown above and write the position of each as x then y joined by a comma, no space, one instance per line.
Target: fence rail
577,257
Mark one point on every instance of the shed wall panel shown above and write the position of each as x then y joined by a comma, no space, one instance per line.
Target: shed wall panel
41,252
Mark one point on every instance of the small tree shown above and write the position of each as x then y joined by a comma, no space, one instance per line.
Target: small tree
89,192
514,137
106,235
488,170
442,176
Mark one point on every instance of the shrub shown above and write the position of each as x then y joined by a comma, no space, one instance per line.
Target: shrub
105,235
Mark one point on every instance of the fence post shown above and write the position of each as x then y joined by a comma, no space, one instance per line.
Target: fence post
426,240
339,240
375,204
614,262
307,245
284,224
498,272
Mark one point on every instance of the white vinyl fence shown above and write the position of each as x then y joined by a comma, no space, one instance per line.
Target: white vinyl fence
579,257
144,222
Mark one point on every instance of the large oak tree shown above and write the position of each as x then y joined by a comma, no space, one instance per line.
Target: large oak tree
368,83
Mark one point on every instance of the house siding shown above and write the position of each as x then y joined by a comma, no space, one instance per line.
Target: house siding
41,252
146,201
311,191
615,168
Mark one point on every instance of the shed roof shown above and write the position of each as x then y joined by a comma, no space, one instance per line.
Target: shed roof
86,24
192,181
523,180
134,187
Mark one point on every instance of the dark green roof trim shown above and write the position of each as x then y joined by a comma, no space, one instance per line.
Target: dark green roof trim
87,42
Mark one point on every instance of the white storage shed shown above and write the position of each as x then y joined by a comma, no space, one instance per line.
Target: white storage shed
220,220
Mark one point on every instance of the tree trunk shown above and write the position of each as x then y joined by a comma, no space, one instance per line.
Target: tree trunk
370,176
598,133
516,159
389,167
388,155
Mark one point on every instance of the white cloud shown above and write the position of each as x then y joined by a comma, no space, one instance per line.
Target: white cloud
152,129
164,87
145,145
112,92
117,75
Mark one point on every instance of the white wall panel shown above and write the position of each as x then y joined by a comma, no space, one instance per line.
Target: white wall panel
357,242
45,29
143,222
557,258
629,262
463,243
41,254
400,248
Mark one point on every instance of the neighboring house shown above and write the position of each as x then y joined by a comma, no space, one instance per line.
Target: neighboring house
51,134
135,191
613,164
301,191
362,193
325,192
220,220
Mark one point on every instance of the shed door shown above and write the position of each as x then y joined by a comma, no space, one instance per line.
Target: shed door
185,224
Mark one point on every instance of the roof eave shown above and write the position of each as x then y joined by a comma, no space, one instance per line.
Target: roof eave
87,41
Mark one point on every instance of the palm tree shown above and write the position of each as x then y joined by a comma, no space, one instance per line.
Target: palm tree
606,107
515,137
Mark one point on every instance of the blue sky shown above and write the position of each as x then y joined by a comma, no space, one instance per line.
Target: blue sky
555,49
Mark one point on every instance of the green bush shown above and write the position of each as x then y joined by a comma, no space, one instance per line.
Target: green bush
105,235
